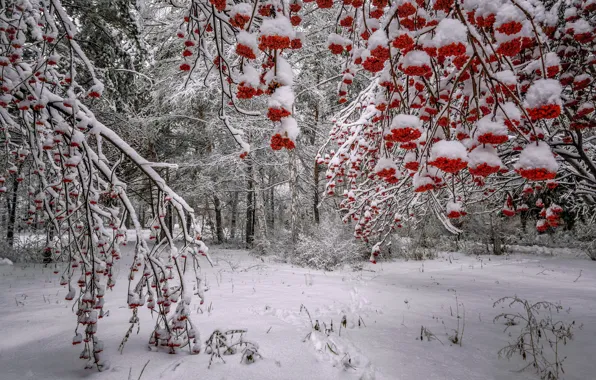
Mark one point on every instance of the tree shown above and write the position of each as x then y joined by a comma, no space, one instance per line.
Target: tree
468,102
71,163
465,100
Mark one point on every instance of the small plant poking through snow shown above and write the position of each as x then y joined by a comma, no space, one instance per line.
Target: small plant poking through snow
538,332
229,342
458,333
339,351
429,335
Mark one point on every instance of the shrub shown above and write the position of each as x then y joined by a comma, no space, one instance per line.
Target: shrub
328,246
540,337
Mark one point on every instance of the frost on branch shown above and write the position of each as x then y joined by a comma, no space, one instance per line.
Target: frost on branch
483,80
468,100
245,43
71,162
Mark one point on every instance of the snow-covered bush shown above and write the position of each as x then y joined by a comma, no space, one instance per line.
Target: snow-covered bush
5,261
25,249
327,246
421,241
486,234
540,337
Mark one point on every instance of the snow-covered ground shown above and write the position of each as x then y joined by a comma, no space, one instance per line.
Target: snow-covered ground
391,300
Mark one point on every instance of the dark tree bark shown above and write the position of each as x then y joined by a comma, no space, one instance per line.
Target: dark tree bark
218,220
12,212
250,206
169,220
271,205
189,223
233,219
316,176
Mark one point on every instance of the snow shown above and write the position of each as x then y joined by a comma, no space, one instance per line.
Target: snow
542,92
422,179
450,31
98,87
449,149
392,300
509,12
588,3
536,156
551,59
279,26
486,154
77,138
509,110
282,74
416,58
553,211
406,121
240,9
502,37
371,24
378,38
336,39
454,207
250,76
4,261
582,77
486,125
586,107
570,12
385,163
410,157
579,27
507,77
483,7
283,97
363,54
247,39
290,126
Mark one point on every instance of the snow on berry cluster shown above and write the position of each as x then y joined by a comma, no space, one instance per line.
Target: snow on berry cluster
262,36
55,162
467,94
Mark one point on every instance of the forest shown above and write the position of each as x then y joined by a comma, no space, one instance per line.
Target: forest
317,189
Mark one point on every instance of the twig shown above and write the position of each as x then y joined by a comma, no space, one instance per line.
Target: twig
307,313
580,274
143,370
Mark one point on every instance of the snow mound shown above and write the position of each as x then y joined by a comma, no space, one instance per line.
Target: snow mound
450,31
449,149
4,261
544,91
536,156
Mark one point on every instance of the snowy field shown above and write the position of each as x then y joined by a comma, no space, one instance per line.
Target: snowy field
385,306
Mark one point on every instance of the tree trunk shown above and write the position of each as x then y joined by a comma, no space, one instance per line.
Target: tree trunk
189,224
250,211
12,212
316,173
294,200
316,193
271,204
313,136
261,217
169,218
234,216
218,221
